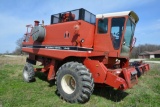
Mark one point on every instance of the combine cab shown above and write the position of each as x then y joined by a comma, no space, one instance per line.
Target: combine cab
79,49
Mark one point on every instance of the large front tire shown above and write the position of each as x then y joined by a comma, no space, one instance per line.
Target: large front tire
74,82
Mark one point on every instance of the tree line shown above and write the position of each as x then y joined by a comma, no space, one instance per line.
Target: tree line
142,48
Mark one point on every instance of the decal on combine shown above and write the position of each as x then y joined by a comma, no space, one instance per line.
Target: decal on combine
59,47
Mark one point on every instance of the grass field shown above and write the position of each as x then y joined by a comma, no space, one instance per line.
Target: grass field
16,93
154,59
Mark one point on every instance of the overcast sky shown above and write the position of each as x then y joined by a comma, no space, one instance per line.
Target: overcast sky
16,14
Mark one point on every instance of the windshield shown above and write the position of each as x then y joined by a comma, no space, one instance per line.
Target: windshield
129,33
127,41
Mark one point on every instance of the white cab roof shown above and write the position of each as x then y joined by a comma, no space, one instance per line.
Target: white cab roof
115,14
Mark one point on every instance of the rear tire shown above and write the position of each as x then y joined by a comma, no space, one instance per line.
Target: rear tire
28,73
74,82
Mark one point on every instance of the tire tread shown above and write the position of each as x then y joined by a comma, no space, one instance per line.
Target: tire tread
86,81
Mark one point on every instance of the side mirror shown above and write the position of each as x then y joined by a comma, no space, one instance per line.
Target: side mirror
124,43
133,42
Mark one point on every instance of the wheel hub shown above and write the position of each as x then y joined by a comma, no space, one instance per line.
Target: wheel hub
68,84
25,74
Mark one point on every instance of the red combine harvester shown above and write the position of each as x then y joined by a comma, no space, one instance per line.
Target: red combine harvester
79,49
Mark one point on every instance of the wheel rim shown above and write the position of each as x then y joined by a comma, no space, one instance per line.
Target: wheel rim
68,84
25,74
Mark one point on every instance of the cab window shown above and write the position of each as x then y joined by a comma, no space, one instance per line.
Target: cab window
102,26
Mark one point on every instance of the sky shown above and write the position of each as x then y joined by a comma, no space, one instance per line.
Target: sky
16,14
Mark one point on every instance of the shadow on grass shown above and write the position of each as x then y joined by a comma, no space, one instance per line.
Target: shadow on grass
42,76
106,92
110,93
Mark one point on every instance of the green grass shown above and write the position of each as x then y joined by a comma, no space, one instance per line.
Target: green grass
16,93
154,59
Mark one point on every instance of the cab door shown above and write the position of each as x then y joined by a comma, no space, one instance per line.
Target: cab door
101,35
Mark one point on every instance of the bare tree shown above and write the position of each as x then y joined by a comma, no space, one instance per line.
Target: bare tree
18,49
7,52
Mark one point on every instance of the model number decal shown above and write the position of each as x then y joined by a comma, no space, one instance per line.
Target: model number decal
61,48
